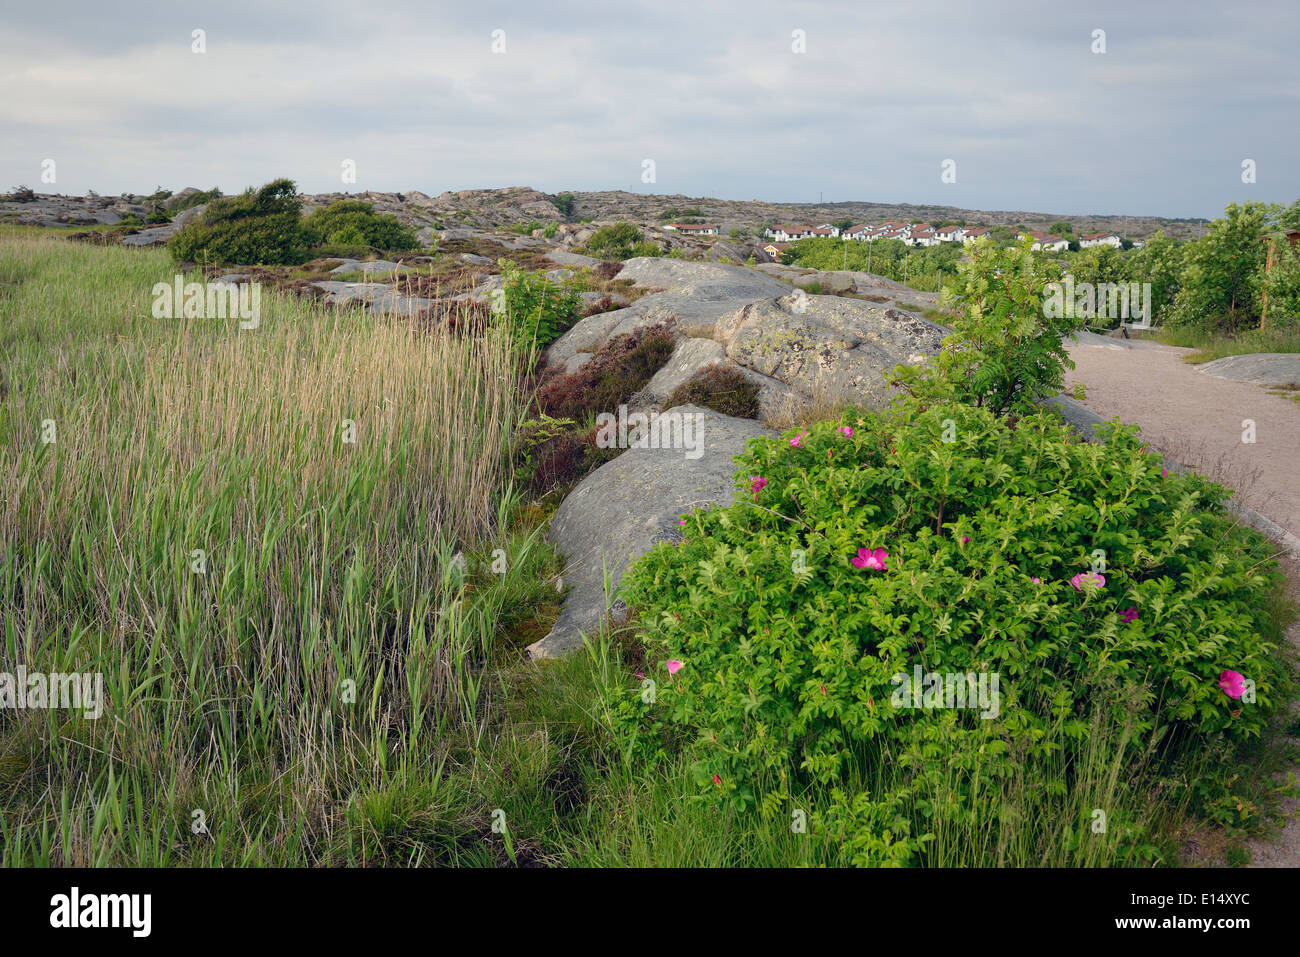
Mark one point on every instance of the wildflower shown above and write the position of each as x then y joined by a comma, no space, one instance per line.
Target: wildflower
1164,473
640,674
717,780
965,539
1233,683
873,558
682,522
1129,614
756,485
1036,581
1092,578
797,441
846,431
674,666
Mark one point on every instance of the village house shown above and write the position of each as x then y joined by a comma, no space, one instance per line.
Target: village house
1099,239
949,234
789,234
970,235
694,229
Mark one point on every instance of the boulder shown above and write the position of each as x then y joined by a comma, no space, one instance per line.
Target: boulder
828,347
187,216
366,268
562,258
618,512
696,294
153,236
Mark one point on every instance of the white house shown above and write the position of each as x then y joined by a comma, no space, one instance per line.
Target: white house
970,235
826,229
858,232
694,229
790,234
949,234
1099,239
922,236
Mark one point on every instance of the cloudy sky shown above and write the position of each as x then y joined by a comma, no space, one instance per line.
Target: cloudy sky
715,94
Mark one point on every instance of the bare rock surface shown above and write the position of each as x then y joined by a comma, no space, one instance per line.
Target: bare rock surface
1269,369
618,512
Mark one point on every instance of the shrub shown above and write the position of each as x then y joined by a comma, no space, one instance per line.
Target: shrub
22,194
607,270
538,310
617,241
1006,351
353,222
616,371
564,204
721,388
790,649
261,226
180,204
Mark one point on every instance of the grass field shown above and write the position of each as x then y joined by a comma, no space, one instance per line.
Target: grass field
300,668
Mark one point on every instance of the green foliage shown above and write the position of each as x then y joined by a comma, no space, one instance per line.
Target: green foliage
1220,280
1005,353
352,222
538,310
1061,228
564,203
180,204
791,656
258,227
921,267
1280,285
721,388
618,241
22,194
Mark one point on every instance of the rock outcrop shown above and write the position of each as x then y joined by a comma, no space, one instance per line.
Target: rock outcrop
618,512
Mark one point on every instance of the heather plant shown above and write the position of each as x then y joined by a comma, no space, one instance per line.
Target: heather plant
1113,600
721,388
615,373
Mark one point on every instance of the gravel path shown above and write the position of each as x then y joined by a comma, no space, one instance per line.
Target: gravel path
1196,419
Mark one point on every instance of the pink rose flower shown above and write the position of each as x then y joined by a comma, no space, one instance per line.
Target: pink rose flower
873,558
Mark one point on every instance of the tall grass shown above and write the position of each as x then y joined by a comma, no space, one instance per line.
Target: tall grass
1211,343
281,615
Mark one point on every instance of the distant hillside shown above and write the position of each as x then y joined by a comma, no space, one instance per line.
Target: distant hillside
497,208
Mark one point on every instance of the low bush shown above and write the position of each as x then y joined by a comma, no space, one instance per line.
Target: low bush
622,241
721,388
616,371
354,222
1085,584
538,310
258,227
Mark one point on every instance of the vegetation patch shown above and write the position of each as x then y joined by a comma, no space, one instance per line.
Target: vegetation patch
721,388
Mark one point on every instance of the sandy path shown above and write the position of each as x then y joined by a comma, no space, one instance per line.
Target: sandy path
1196,419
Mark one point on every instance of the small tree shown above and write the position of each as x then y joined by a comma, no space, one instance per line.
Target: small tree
1005,352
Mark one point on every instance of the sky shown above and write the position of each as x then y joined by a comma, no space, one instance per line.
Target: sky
779,101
